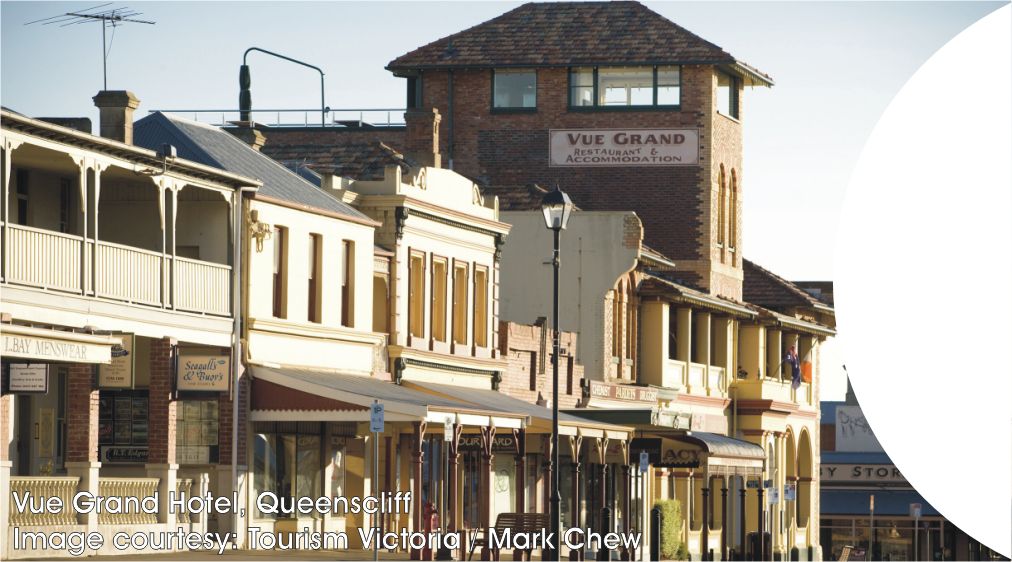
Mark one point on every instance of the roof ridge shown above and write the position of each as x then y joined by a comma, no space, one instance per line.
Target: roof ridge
790,286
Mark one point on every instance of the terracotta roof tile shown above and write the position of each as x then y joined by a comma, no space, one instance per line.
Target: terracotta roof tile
567,33
767,289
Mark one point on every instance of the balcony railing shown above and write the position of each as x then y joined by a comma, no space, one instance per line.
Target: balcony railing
54,261
127,488
63,487
716,381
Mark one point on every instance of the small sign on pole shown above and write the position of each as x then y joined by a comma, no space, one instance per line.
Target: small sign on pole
791,491
773,495
644,461
752,484
376,418
448,430
915,510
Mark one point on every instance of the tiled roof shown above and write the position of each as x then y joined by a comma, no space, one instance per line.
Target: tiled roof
767,289
214,147
569,33
359,161
518,197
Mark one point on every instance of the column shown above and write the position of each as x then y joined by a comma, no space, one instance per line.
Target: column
704,542
485,485
774,359
96,174
701,338
741,528
752,357
723,518
417,457
520,460
576,554
762,542
453,460
626,505
82,433
654,340
162,424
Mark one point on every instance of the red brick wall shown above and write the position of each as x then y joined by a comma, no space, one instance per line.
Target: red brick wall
675,203
521,345
5,427
161,406
82,414
393,136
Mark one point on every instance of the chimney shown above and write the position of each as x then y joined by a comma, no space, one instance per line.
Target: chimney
423,136
116,114
250,136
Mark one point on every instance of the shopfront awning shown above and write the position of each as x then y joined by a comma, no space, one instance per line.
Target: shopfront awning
540,417
311,395
894,503
41,345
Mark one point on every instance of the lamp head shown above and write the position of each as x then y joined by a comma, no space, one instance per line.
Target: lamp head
556,206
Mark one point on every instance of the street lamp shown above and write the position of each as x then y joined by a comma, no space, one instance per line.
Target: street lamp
556,207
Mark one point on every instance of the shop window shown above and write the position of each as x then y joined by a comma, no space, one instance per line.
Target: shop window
416,295
338,469
514,89
727,94
197,431
460,303
481,306
625,87
439,299
286,460
123,426
348,284
471,461
280,273
315,283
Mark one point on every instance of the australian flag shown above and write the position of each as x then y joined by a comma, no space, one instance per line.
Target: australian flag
792,359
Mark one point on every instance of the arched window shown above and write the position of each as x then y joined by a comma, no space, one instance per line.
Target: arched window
721,211
732,242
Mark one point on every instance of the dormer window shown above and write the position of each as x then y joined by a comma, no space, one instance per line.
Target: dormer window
621,87
514,90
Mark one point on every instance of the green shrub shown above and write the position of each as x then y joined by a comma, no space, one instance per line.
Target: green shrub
671,530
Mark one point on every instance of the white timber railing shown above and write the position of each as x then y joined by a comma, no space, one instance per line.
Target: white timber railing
201,286
54,261
139,488
716,380
697,378
129,274
63,487
46,259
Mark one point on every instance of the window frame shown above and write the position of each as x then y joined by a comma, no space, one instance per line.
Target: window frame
348,283
596,91
413,278
445,262
492,106
314,312
734,101
480,337
460,323
279,290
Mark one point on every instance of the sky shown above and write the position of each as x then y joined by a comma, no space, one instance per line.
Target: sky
837,65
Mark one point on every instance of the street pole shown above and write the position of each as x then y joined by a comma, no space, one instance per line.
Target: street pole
871,525
556,514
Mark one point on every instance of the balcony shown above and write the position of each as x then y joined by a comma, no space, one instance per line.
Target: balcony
695,378
54,261
775,389
114,232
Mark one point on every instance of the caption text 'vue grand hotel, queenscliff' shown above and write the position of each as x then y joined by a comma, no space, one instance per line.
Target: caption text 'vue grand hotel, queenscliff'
318,269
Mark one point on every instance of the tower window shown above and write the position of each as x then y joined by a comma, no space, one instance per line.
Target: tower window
727,94
514,89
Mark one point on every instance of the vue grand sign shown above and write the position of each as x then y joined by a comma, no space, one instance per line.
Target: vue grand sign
623,147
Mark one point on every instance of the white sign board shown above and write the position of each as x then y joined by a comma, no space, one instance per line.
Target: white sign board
208,373
27,378
623,147
376,417
644,461
915,510
773,495
447,430
791,491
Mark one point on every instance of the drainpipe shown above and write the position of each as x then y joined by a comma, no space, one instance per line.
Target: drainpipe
449,119
239,241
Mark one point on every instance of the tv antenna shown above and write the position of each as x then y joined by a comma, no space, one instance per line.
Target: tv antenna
109,17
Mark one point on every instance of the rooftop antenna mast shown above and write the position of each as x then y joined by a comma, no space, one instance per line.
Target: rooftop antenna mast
109,17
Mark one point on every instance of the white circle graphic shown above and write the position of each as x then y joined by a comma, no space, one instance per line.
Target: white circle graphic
923,283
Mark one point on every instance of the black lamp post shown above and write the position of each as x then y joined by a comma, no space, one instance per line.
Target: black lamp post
556,206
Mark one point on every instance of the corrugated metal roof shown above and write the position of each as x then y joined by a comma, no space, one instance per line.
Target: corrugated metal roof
724,446
497,401
214,147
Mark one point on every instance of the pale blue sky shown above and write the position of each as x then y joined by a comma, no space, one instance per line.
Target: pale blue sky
836,64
